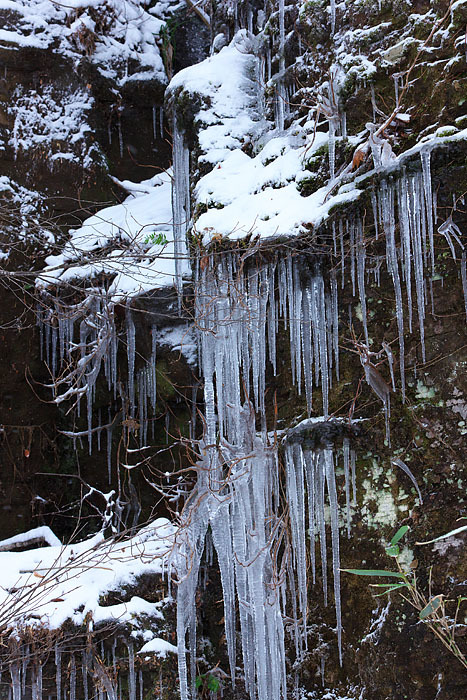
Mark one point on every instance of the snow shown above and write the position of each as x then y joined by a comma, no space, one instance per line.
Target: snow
9,37
259,195
113,35
125,231
43,533
226,84
50,585
158,646
51,119
180,339
271,212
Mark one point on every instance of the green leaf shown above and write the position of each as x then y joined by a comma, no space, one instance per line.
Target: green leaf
390,589
198,681
393,550
156,238
399,534
373,572
444,537
431,607
213,684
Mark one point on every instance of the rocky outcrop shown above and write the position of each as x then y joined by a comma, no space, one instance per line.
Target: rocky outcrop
320,173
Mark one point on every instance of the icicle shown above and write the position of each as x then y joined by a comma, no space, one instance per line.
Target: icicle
34,684
332,146
281,93
374,207
131,672
39,682
307,342
406,241
222,540
331,483
84,669
72,677
58,670
131,353
154,122
343,118
361,256
415,212
387,206
120,137
354,477
180,200
320,520
109,451
333,16
335,323
24,667
425,155
346,452
295,499
464,278
341,240
161,122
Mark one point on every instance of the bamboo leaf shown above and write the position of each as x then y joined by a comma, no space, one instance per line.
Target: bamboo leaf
373,572
391,589
399,534
448,534
431,607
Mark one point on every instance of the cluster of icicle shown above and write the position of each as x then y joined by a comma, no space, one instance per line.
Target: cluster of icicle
238,308
315,467
409,202
236,501
81,674
80,340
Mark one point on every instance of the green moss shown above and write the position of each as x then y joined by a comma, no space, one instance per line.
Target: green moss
165,388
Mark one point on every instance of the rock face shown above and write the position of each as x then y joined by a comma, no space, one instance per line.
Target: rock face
299,401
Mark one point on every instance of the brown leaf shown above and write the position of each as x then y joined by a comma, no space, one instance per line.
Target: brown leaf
358,158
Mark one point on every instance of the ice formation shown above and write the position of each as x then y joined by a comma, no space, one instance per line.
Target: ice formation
240,300
237,498
241,297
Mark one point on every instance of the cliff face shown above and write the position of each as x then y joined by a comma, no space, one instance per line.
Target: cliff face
266,345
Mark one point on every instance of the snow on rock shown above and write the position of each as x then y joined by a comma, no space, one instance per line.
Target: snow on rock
113,34
260,196
37,534
180,339
49,585
52,120
159,647
228,86
244,194
132,241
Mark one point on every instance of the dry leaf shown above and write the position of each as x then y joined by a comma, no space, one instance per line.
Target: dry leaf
358,158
